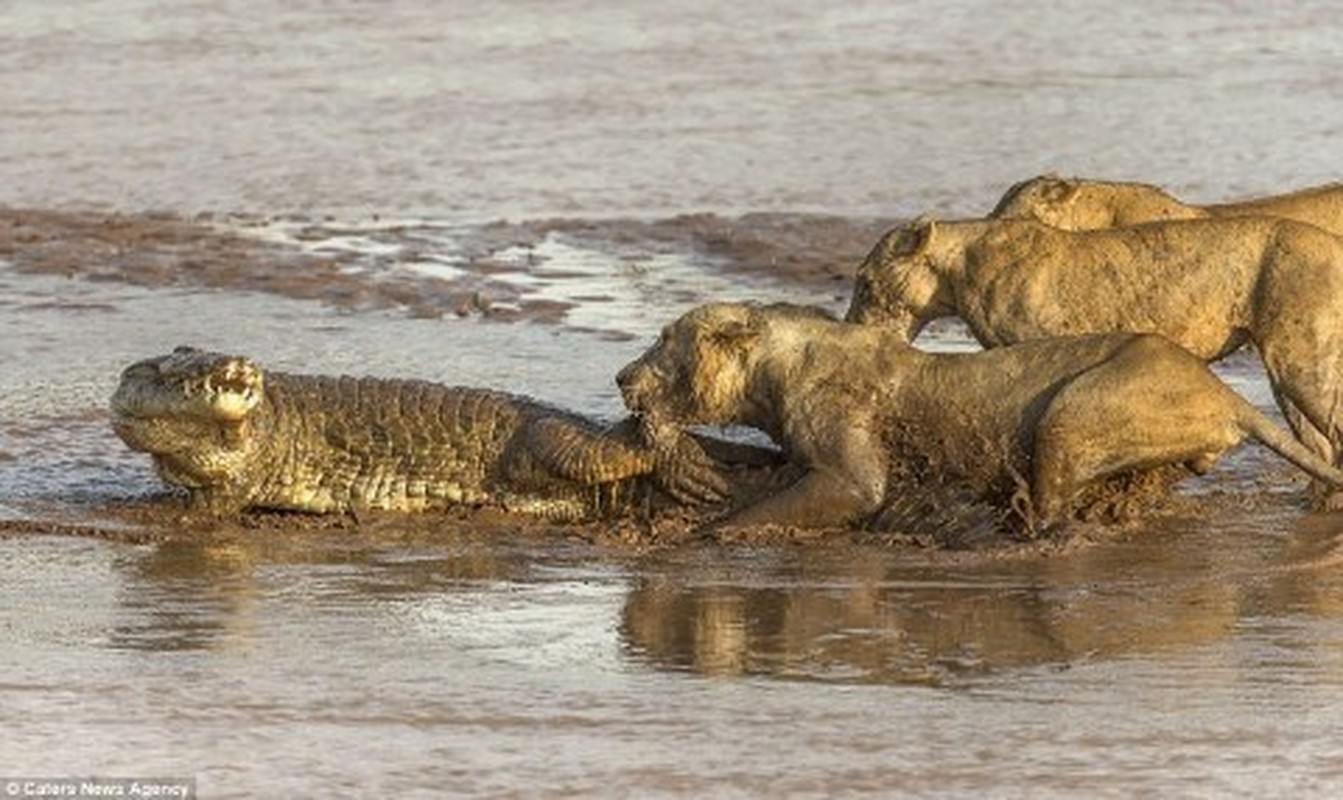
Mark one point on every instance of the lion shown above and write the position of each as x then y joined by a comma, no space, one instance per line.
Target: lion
1208,285
1080,204
859,409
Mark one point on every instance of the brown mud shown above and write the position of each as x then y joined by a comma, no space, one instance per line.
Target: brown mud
940,522
165,250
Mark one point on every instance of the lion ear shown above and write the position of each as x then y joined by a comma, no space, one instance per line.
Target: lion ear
918,235
737,332
1060,190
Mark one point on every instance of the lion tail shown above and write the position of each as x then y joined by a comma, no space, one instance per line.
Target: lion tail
1279,440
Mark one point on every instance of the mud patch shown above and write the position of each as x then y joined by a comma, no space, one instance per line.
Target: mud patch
919,522
586,273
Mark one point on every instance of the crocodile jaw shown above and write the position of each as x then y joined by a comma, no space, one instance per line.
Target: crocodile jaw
189,383
190,410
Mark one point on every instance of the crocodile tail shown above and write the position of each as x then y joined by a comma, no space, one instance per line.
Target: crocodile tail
1276,438
580,454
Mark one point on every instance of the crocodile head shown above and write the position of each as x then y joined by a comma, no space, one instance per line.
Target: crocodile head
191,410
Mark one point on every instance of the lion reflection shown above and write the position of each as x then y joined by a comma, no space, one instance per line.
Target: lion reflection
928,626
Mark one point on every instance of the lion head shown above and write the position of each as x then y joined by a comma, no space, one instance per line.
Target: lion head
1047,198
1077,204
718,365
697,371
898,286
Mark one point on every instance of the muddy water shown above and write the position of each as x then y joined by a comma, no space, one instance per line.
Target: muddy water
349,155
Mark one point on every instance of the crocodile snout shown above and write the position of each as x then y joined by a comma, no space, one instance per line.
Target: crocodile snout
626,375
629,381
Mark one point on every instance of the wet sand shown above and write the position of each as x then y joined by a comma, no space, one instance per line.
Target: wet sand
234,253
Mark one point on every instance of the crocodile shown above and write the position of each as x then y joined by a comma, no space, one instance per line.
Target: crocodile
238,437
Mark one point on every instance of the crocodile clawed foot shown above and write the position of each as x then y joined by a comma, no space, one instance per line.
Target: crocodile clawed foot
689,474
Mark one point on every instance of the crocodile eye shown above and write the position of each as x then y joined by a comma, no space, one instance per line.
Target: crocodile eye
141,370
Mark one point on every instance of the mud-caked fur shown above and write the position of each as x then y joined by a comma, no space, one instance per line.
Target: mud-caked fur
1209,285
1086,204
862,411
238,437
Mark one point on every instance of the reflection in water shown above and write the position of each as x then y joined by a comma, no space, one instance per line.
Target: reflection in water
209,590
442,655
1317,544
858,615
186,595
833,613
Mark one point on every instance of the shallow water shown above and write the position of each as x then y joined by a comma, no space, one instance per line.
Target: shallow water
525,109
1199,653
1157,665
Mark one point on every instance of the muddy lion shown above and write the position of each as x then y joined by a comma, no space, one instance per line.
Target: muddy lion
859,409
1209,285
1081,204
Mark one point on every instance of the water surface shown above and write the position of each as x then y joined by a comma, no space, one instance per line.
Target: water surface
361,147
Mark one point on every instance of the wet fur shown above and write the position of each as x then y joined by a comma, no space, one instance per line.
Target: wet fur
1082,204
863,413
1209,285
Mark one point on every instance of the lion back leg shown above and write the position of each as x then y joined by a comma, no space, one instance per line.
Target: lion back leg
1309,389
1149,405
1301,344
1314,415
1298,328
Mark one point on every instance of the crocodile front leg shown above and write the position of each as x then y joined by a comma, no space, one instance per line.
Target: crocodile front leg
678,464
691,464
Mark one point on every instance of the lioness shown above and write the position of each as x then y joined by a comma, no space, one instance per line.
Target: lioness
857,407
1209,285
1080,204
